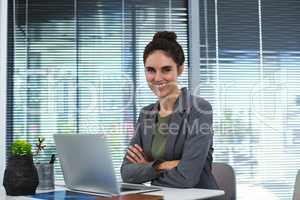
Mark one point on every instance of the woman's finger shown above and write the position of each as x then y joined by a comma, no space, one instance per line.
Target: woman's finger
130,159
142,152
140,149
133,155
137,152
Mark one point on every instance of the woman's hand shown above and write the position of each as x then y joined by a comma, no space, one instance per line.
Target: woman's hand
167,165
135,154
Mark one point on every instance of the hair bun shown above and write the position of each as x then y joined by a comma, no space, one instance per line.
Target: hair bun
171,36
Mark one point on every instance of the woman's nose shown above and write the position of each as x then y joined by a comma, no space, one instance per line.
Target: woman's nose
158,77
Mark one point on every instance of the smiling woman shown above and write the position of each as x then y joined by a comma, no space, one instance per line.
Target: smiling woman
172,145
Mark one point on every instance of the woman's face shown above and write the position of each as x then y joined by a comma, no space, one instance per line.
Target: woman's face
161,74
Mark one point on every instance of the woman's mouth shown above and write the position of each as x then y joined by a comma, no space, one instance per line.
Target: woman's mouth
161,85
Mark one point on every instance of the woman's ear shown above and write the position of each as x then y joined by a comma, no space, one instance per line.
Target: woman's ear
180,69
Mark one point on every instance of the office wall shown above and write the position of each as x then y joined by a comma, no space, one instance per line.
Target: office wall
3,35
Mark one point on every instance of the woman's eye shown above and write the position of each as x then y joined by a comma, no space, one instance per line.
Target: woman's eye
149,70
167,70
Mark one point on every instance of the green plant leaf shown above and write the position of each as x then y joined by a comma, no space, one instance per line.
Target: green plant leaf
21,148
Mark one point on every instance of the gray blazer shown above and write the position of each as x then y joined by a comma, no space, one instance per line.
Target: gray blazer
189,140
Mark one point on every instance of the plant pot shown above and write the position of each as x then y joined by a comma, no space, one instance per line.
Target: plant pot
46,176
20,176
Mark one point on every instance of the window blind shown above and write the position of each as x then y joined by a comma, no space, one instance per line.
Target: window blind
249,58
76,67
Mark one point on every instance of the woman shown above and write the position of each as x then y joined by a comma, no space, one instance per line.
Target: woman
172,145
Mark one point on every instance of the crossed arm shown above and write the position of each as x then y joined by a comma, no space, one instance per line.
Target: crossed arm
135,154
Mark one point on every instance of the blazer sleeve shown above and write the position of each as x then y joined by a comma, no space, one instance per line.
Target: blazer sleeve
195,151
133,172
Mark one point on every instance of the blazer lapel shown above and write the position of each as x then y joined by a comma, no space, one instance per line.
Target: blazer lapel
175,124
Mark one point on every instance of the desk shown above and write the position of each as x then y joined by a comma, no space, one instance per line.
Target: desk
187,194
167,193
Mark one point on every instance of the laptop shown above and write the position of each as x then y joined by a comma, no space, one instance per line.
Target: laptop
87,166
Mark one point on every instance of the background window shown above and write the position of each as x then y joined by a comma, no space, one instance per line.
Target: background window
77,67
249,71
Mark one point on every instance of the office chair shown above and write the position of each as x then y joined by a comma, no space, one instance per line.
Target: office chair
297,187
225,177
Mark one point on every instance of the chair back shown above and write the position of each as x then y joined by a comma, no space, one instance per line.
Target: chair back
225,177
297,187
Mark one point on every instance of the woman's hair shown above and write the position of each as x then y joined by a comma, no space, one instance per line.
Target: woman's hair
165,41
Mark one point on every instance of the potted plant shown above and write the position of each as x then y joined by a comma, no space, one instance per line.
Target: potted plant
20,176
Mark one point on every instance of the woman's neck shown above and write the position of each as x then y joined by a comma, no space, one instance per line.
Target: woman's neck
167,103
